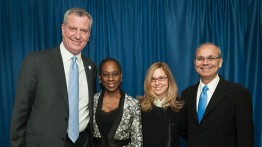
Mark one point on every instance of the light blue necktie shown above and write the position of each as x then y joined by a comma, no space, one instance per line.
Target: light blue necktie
202,103
73,96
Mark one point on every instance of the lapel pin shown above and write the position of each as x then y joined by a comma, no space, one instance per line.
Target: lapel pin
89,67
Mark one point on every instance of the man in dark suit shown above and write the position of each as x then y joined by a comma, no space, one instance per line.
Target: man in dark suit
227,115
41,109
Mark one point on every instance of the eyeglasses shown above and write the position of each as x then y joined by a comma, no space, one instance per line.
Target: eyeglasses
209,58
159,79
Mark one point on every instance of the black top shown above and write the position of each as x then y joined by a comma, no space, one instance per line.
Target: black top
108,123
107,120
163,127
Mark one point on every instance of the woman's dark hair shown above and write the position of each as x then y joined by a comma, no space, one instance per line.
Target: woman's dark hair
109,59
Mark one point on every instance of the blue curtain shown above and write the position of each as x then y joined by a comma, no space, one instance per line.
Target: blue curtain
138,33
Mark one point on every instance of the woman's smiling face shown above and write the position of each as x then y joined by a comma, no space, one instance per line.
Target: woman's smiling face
110,76
159,83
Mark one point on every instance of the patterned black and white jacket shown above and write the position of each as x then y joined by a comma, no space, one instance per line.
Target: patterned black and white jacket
127,126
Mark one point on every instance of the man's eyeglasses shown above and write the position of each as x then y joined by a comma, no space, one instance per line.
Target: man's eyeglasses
159,79
209,58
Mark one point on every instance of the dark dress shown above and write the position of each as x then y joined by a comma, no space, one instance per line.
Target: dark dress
163,127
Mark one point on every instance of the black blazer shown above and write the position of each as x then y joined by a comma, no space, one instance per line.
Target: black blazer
227,121
40,115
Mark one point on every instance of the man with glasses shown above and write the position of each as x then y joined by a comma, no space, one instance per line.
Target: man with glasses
219,112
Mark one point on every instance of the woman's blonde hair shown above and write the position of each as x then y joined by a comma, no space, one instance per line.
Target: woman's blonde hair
172,90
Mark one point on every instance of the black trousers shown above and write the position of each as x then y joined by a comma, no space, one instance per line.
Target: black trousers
82,141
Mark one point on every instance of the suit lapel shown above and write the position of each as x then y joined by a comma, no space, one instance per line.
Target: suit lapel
192,102
90,79
218,95
118,118
56,64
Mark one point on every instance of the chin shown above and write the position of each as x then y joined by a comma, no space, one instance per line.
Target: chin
111,89
159,94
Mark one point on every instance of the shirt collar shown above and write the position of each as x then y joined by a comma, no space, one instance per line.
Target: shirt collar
159,103
66,55
212,85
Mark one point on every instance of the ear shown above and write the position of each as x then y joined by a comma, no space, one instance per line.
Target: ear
99,79
220,63
63,29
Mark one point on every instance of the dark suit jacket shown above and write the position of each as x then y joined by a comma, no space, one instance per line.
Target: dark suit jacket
40,115
227,121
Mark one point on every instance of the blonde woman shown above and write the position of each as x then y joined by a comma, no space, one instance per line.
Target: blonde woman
163,115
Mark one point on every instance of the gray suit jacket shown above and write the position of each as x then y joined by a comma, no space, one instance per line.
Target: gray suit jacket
40,115
227,121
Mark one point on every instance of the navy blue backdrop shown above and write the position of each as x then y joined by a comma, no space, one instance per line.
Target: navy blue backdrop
138,33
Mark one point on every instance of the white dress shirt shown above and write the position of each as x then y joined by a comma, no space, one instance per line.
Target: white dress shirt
211,88
83,86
